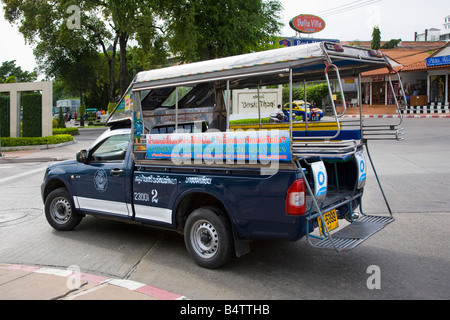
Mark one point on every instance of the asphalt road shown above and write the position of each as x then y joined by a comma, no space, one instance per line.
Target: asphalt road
410,257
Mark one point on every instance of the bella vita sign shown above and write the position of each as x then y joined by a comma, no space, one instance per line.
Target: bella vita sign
307,23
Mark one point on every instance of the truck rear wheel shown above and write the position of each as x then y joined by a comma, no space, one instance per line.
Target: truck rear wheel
60,211
208,237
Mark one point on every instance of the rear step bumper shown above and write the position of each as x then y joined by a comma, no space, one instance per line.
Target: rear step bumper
354,234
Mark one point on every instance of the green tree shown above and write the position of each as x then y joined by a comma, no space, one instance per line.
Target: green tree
61,121
315,92
130,19
105,24
74,64
376,38
391,44
61,52
208,29
8,69
81,113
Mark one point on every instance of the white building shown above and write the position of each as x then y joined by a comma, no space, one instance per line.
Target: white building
434,34
69,105
445,34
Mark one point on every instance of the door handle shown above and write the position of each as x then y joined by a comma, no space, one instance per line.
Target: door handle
116,172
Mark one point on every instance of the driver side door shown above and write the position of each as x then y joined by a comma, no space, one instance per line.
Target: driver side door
102,182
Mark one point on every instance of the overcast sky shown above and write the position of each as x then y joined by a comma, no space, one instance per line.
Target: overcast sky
349,20
346,20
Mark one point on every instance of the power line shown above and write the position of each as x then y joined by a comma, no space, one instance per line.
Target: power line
339,7
346,7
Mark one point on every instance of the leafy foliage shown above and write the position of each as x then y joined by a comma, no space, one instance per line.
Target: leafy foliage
376,38
391,44
208,29
313,93
32,114
9,72
71,130
4,116
35,141
96,60
61,121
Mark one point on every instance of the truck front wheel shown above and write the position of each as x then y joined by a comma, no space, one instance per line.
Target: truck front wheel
208,237
60,211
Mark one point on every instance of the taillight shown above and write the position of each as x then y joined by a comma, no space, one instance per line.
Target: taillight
295,198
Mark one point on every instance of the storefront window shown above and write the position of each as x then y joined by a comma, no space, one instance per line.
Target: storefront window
378,93
366,93
437,88
448,89
390,94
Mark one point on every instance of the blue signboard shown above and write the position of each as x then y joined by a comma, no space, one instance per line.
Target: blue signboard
271,145
438,61
288,42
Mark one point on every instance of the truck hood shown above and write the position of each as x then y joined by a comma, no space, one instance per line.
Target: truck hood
66,166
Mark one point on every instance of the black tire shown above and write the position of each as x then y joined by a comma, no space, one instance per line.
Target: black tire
208,237
60,210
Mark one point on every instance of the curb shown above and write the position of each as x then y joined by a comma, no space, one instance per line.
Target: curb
421,116
37,147
25,160
99,282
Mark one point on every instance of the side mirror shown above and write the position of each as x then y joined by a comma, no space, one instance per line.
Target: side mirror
82,156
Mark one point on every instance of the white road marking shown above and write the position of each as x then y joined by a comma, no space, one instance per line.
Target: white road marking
23,174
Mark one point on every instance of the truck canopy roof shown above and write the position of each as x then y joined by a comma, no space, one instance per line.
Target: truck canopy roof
308,62
271,67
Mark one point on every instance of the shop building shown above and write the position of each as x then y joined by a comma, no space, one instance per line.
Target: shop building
438,67
424,72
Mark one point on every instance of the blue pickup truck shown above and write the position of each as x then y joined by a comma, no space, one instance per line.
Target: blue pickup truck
170,160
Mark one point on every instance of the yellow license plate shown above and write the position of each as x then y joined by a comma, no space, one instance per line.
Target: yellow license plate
331,221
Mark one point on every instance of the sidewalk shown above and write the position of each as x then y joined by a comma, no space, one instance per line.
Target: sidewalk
405,116
60,152
21,282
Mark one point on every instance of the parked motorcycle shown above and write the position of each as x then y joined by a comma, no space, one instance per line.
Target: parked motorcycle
278,118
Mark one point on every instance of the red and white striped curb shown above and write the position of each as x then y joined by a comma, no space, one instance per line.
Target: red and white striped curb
422,116
100,280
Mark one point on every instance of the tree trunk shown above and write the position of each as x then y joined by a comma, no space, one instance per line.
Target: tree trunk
81,97
123,71
78,112
112,67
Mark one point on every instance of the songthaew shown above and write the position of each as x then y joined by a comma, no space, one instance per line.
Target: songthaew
172,159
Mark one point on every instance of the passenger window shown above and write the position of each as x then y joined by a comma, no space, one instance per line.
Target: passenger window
112,149
190,127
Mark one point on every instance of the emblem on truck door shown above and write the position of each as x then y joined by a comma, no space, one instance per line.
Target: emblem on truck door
101,180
